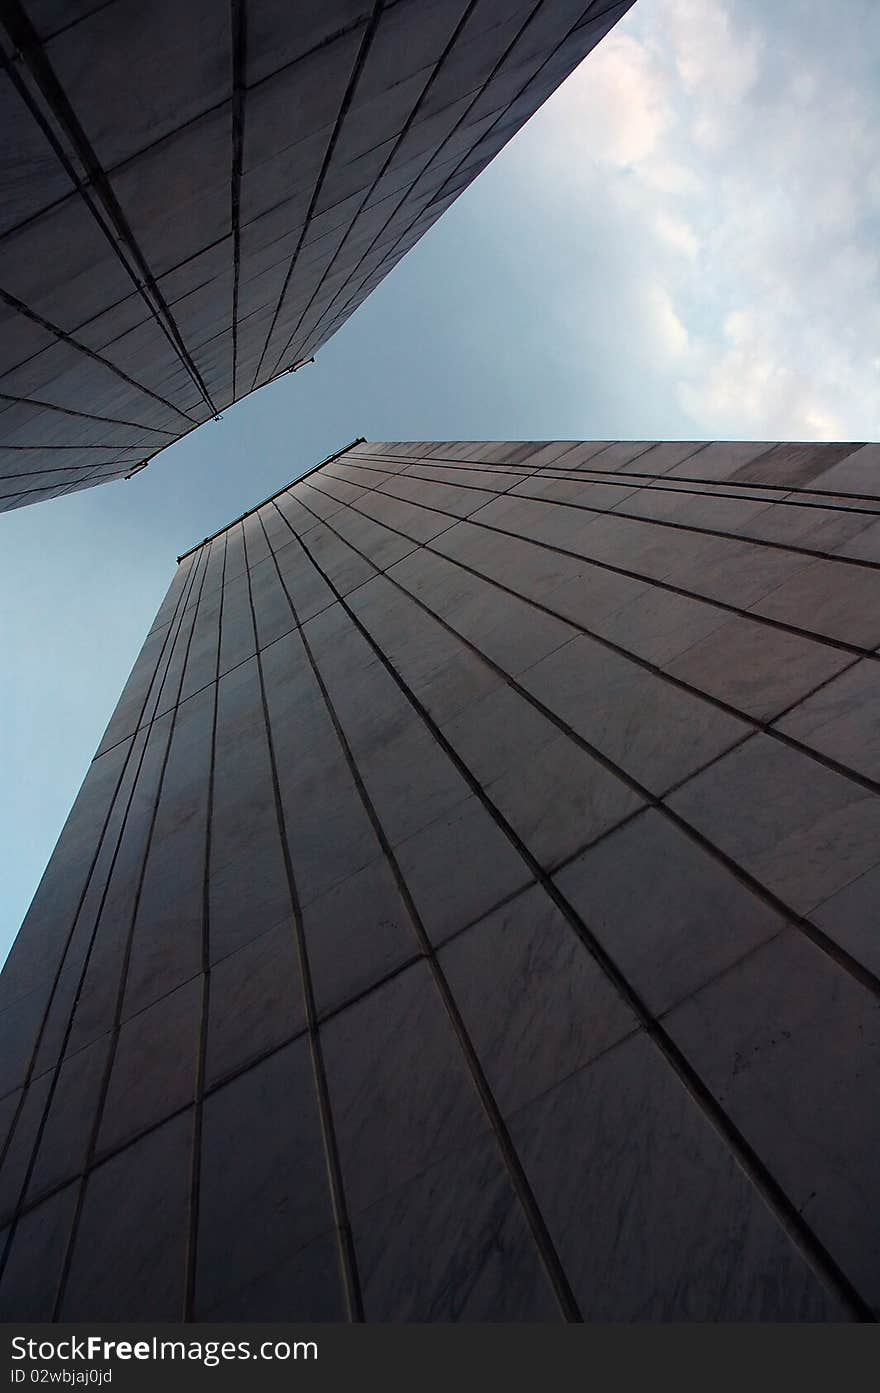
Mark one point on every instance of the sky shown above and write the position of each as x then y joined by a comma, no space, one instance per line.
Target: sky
681,244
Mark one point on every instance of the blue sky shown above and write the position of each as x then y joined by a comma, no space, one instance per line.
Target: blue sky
683,243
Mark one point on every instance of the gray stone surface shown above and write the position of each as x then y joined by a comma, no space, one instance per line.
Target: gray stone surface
459,1216
652,1217
842,719
804,831
251,174
537,1005
758,670
264,1193
458,867
654,732
667,912
397,1112
357,933
256,1002
499,910
121,1260
776,1012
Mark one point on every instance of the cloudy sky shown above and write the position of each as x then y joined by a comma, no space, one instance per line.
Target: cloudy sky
683,243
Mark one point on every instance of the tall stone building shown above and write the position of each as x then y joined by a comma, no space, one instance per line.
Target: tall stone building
197,195
471,910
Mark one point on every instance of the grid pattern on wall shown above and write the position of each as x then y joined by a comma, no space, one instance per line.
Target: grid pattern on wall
471,910
197,195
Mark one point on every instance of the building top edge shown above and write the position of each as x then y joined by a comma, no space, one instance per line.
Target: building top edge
359,440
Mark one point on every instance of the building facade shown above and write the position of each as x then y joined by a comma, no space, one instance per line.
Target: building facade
471,910
197,196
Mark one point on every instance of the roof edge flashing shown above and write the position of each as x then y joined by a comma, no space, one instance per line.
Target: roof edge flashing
359,440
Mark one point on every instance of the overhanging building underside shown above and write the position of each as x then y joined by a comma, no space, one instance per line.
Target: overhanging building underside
471,911
197,195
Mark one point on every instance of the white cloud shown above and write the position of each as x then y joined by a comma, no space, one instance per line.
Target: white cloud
667,326
677,233
735,147
713,56
625,110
